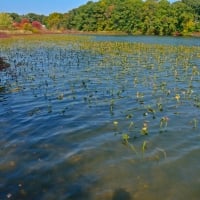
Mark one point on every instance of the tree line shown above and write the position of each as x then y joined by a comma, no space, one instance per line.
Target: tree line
152,17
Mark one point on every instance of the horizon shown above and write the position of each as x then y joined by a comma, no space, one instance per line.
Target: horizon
40,7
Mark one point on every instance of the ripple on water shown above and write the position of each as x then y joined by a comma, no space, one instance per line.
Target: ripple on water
58,139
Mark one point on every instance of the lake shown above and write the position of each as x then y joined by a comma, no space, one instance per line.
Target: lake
100,117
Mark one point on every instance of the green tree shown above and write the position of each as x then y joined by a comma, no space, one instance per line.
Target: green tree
165,23
155,17
194,4
184,16
35,17
54,21
149,19
15,17
6,21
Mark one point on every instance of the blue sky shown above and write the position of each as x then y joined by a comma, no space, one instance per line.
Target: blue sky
40,6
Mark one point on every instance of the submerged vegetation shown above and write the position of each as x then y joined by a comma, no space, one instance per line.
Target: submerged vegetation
3,64
92,113
142,88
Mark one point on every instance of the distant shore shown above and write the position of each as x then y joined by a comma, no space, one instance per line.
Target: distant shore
8,33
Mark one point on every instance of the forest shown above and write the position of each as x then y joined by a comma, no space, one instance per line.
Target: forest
150,17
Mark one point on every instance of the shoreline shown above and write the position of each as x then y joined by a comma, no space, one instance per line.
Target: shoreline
8,34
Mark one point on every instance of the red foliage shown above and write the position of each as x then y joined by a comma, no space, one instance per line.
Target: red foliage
16,25
25,24
37,25
20,25
24,21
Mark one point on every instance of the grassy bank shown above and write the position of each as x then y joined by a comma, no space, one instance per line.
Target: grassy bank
10,33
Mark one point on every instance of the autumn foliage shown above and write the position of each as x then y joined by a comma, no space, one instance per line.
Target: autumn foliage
26,25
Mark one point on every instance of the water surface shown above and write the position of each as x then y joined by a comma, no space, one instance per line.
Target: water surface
65,107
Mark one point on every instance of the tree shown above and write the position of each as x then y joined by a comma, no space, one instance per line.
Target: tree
37,25
35,17
15,17
194,4
165,23
24,24
54,21
155,17
6,21
184,16
149,20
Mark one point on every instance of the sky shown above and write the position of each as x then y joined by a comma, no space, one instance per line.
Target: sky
39,6
44,7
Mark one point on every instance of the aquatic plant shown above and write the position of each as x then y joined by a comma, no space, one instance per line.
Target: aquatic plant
115,123
3,64
195,71
177,97
144,130
139,84
112,106
125,140
144,147
131,125
164,122
195,123
60,96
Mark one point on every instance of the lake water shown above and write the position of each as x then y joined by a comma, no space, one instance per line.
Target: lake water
164,40
109,117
